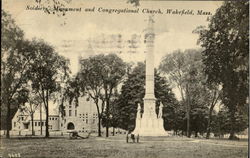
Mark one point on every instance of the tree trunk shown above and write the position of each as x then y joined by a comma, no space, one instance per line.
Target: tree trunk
99,126
214,101
47,123
99,117
196,134
107,130
232,121
188,112
107,113
8,121
32,123
47,116
188,124
188,120
209,124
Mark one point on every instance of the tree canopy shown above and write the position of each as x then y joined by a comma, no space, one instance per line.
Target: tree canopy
48,73
99,76
184,70
226,54
16,59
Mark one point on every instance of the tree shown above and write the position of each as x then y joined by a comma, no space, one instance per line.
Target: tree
16,58
202,97
174,116
70,92
132,93
47,74
178,67
226,54
100,75
193,79
73,90
185,70
174,65
90,81
114,115
221,125
34,101
213,96
114,112
28,102
114,69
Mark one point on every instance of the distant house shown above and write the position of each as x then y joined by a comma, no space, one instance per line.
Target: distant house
22,120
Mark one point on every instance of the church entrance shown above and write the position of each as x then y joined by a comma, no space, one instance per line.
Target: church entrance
70,126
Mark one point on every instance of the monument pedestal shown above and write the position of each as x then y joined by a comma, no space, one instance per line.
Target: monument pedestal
149,124
154,129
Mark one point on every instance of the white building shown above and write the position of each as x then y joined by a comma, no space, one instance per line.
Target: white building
22,120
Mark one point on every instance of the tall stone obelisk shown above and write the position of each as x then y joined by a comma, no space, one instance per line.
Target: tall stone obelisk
149,124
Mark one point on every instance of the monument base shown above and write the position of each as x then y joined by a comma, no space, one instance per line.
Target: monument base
150,127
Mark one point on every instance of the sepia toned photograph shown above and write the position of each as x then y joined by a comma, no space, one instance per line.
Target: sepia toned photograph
124,79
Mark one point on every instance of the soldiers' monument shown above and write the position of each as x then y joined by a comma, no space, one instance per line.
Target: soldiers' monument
149,124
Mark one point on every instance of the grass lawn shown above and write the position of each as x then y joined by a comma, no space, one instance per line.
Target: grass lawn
116,147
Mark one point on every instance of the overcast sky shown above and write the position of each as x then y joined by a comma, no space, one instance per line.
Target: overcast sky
172,31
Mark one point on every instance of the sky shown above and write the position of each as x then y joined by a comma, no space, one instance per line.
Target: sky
172,31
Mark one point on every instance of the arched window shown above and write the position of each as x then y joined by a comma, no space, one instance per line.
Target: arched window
70,126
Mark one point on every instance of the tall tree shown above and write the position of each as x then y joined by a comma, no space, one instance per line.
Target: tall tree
226,54
48,73
16,58
90,81
213,96
202,97
185,70
179,66
101,74
114,69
